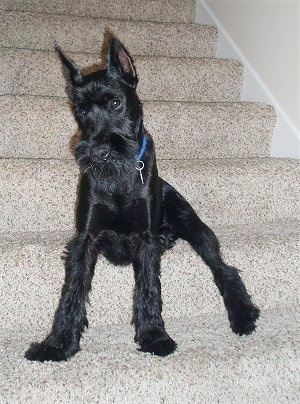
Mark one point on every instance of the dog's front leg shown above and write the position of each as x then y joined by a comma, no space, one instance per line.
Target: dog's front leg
70,318
149,325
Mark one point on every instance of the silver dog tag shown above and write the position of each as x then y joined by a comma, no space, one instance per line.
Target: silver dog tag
139,166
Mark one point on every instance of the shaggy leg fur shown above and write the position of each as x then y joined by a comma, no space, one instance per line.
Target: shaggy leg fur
242,313
149,325
70,318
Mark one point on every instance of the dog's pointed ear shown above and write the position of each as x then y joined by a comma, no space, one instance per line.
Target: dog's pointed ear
120,63
72,72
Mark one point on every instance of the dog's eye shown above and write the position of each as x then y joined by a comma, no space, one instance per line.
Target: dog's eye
82,112
115,103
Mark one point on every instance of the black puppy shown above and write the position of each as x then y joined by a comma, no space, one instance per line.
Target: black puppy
127,213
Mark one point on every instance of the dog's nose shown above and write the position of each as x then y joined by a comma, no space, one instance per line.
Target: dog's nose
104,155
102,152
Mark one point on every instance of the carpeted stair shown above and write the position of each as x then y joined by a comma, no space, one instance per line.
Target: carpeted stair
211,146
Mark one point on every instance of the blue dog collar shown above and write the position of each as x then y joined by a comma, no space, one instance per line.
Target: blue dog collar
143,148
139,163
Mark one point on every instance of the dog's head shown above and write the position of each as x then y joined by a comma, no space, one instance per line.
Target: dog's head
108,112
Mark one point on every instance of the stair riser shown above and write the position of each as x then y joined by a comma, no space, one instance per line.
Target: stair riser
40,127
33,277
76,34
41,196
165,79
160,10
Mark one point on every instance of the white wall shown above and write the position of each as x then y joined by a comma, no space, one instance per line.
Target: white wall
265,36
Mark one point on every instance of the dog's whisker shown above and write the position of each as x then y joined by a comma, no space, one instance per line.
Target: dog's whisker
87,169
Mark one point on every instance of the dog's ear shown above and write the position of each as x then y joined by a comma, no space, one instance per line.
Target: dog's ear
120,63
72,72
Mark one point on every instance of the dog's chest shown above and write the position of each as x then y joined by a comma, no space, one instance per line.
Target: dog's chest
116,229
121,216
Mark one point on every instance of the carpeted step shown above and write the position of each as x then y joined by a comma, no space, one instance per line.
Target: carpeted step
32,272
210,365
42,127
78,34
155,10
39,195
161,78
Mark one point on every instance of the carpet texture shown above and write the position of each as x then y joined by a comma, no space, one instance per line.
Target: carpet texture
212,147
211,365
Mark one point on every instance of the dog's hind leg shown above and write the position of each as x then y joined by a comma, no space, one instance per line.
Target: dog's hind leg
70,318
178,213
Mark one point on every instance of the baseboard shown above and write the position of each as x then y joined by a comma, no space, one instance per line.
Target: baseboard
286,137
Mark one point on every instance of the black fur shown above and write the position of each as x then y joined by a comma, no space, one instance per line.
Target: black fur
124,219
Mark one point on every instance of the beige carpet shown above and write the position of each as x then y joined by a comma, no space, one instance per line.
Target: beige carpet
211,365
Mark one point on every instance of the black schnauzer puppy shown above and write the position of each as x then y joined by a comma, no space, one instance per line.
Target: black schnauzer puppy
127,213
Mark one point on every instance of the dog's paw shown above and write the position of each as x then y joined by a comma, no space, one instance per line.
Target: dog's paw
242,319
167,238
163,346
42,352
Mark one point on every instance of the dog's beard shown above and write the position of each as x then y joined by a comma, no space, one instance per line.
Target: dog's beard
116,173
